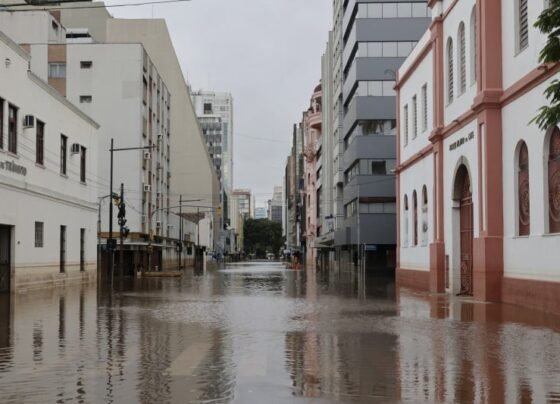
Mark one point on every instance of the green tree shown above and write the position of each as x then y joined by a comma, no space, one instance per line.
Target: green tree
262,236
549,23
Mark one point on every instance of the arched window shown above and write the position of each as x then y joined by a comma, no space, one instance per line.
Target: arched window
524,213
424,215
473,45
554,182
462,57
449,70
415,219
405,220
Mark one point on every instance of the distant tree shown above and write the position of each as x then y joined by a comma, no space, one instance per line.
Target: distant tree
549,23
262,236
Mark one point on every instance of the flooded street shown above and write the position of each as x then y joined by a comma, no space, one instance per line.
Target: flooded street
257,333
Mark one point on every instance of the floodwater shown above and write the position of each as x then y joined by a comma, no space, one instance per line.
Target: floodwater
257,333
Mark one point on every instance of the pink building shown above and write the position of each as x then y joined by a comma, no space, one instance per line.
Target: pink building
312,119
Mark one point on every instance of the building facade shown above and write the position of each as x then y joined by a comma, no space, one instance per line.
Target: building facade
275,205
188,153
377,37
477,182
48,174
311,124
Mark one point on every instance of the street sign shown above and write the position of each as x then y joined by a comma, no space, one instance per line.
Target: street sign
111,244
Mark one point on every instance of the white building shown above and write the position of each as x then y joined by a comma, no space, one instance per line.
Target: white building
219,105
48,174
193,176
478,184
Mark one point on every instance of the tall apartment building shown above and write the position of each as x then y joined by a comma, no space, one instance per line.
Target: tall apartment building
48,173
369,42
294,206
219,106
478,183
193,175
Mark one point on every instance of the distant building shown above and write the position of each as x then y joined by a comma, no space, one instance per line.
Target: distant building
244,203
275,205
260,213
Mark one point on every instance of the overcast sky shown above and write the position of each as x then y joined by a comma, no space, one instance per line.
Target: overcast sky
267,53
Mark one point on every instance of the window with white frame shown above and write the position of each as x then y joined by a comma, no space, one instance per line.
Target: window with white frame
462,59
57,70
39,230
405,117
522,25
424,107
473,45
449,70
414,117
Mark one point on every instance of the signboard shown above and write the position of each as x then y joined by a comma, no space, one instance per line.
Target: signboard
371,247
13,167
461,141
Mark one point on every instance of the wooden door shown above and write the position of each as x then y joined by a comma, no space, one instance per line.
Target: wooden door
466,237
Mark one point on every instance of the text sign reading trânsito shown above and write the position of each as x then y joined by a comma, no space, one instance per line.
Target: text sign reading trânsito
13,167
461,141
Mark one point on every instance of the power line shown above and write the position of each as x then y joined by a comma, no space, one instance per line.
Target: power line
8,8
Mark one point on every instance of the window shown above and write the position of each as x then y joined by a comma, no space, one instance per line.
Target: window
424,107
523,25
473,45
12,129
523,191
39,230
1,123
449,70
424,216
405,241
378,207
40,143
462,60
63,153
207,108
82,164
378,167
85,99
415,219
57,70
414,117
405,125
554,182
86,64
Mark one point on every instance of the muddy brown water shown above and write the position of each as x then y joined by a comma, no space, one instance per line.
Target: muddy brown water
258,333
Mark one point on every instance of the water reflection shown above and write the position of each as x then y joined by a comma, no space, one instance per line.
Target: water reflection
259,333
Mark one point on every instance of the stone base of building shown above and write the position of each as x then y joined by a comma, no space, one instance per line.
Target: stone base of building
414,279
32,278
541,295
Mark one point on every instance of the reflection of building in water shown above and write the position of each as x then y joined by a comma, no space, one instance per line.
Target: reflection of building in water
473,359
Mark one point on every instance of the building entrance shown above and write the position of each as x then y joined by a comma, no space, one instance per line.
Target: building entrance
5,258
466,232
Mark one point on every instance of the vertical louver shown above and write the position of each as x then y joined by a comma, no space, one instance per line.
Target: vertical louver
523,25
462,60
450,70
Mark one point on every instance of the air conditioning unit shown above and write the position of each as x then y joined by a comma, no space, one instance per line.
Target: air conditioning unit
28,121
75,149
144,218
147,155
158,224
147,187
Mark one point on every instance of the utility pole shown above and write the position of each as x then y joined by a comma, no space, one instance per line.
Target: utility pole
122,222
110,242
180,229
198,236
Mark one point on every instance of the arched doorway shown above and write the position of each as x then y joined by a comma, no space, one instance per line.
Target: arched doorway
466,234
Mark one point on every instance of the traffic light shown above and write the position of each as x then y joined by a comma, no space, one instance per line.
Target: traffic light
122,214
126,231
